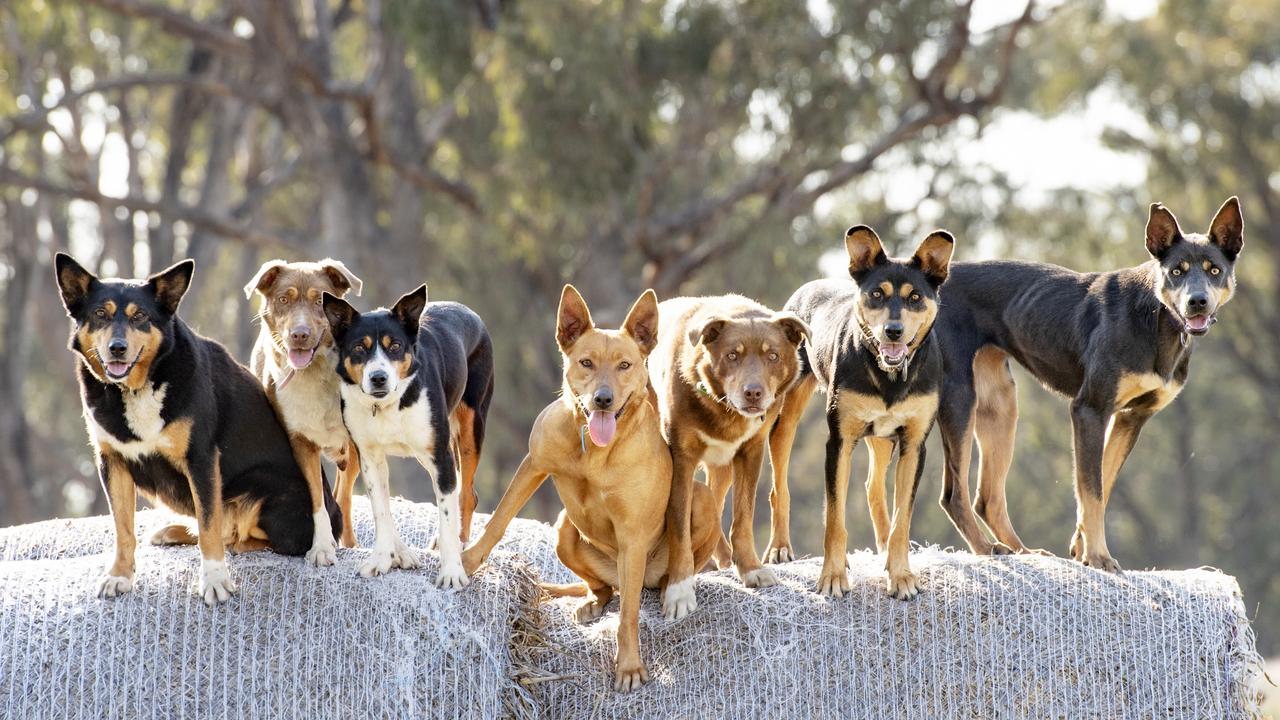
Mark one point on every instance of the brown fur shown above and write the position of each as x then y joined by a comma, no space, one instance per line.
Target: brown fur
611,530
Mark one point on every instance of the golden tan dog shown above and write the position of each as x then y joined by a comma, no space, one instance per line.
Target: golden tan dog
294,360
602,445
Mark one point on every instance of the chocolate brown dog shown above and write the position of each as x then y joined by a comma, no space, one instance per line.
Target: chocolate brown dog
720,368
602,444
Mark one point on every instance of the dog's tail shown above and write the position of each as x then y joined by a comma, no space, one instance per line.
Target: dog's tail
567,590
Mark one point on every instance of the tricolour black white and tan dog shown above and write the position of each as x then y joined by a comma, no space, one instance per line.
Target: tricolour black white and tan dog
719,369
873,353
295,360
416,382
1117,343
172,415
603,446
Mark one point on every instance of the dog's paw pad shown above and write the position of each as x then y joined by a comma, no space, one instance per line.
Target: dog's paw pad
833,584
759,578
679,600
113,585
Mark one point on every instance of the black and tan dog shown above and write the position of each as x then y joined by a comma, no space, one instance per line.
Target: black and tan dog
1117,343
602,444
873,353
416,382
173,416
719,369
295,360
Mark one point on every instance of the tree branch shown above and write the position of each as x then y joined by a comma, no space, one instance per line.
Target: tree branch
181,24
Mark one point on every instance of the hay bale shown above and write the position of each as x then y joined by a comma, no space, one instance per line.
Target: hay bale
1021,637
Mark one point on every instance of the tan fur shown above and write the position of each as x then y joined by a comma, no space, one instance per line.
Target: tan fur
995,426
611,530
122,495
468,458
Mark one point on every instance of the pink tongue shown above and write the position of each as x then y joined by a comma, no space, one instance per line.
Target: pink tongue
1200,322
117,368
893,351
301,358
601,427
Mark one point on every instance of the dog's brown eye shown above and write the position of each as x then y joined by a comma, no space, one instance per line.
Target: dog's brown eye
1175,272
139,317
100,314
283,299
624,365
1215,270
876,294
733,356
395,347
773,357
915,297
586,363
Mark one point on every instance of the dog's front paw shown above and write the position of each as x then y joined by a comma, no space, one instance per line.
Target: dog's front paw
405,558
833,583
631,675
379,563
999,548
1102,561
759,578
349,538
216,585
679,600
113,585
322,554
779,554
590,610
452,576
1077,546
903,585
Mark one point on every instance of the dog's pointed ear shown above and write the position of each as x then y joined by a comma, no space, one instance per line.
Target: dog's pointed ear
642,321
864,248
339,313
573,318
934,255
343,279
708,332
1162,231
170,284
264,278
408,309
74,282
1227,229
793,327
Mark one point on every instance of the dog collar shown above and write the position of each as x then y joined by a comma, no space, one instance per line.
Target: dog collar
288,376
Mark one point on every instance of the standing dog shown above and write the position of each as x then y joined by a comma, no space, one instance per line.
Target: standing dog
873,354
172,415
720,365
416,382
614,486
295,361
1118,343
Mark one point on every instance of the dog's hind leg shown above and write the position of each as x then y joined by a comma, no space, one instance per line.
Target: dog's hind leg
955,424
781,438
598,571
467,450
176,534
996,426
881,451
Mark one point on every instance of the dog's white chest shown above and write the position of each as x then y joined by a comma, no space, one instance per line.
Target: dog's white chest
720,452
142,415
382,424
310,406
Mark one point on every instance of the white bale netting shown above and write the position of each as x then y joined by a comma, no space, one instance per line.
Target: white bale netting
1019,637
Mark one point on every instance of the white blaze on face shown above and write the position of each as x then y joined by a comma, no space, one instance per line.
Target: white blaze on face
380,363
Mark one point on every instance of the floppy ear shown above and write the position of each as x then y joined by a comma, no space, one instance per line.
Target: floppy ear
265,278
934,255
339,313
1227,229
642,321
408,309
573,319
73,282
170,284
1162,231
342,278
709,331
864,248
796,330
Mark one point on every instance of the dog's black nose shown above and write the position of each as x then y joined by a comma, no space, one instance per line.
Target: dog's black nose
117,347
603,398
300,334
893,331
753,392
1197,302
378,379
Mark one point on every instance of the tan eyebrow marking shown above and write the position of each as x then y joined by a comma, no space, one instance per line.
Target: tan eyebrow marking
367,342
130,309
906,290
886,288
110,307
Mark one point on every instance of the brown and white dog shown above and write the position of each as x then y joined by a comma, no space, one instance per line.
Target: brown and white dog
295,361
602,444
721,368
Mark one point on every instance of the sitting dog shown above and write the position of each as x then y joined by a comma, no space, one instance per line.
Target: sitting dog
416,382
719,367
602,444
1117,343
173,416
295,361
873,354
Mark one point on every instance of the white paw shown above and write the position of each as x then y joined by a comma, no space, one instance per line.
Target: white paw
679,600
405,558
113,585
216,585
452,576
759,578
322,554
378,564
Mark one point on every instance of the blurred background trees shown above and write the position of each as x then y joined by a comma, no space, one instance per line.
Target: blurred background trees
498,148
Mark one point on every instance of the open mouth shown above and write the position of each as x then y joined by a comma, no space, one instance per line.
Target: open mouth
893,354
1198,324
299,359
602,425
119,369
